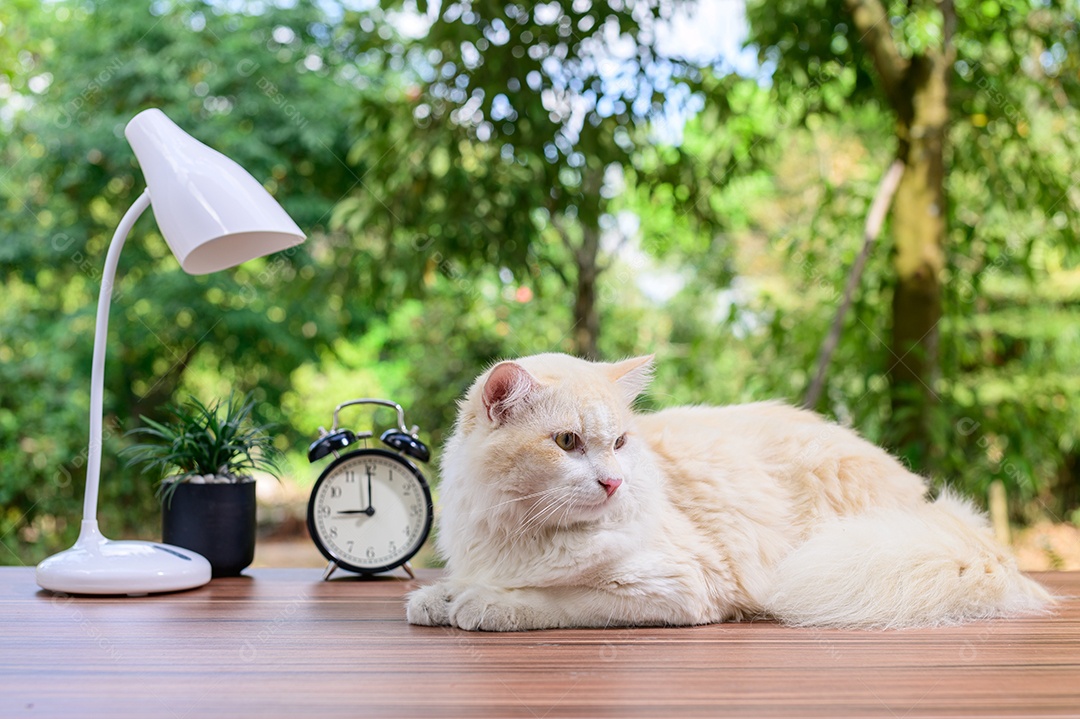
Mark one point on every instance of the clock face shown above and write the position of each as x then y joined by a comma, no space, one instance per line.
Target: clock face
370,511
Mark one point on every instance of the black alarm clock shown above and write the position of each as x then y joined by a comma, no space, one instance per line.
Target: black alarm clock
370,510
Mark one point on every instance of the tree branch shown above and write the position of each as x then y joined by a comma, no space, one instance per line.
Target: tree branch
879,208
948,26
564,235
871,20
624,240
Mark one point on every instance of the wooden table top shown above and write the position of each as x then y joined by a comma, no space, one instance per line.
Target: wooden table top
280,642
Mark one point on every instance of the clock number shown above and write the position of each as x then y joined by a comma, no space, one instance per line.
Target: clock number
324,510
335,492
351,543
369,468
393,547
350,476
333,532
370,552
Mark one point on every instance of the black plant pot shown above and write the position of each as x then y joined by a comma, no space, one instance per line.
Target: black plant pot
215,520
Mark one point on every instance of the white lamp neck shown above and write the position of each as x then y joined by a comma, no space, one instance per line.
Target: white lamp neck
101,339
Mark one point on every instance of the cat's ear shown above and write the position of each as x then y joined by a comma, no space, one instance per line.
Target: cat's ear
632,376
506,386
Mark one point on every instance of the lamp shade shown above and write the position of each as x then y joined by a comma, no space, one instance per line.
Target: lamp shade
212,213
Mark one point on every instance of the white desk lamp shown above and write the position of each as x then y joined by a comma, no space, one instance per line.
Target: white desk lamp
213,215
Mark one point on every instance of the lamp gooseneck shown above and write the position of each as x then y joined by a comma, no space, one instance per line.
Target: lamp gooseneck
97,370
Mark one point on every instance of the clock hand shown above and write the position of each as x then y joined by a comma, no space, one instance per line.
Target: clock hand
369,511
359,490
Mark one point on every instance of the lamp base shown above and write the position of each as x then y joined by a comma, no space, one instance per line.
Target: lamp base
96,565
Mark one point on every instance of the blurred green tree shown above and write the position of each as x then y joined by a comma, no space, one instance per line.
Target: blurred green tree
521,125
260,87
975,90
467,186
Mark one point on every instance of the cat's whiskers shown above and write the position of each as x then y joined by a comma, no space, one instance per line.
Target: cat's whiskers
566,507
492,507
565,516
546,510
522,498
537,518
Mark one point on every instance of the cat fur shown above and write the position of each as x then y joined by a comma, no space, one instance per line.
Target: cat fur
723,513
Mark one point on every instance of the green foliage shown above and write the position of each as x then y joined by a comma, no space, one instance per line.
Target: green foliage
1002,395
220,441
507,140
459,187
243,83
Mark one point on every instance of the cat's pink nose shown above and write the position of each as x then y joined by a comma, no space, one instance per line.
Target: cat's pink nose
610,484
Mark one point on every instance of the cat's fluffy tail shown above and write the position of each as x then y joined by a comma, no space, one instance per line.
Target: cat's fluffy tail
902,567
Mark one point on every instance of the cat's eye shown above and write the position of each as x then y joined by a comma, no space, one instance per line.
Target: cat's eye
620,441
567,441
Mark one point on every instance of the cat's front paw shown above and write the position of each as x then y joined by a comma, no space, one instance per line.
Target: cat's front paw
430,605
490,610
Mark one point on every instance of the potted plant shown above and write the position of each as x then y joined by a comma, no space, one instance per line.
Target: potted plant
205,457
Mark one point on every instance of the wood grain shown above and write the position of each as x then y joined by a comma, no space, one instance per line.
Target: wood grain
281,643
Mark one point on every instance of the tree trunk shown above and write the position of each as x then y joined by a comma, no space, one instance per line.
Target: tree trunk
918,92
919,235
586,314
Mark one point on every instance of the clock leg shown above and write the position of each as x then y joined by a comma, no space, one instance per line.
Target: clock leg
330,569
408,570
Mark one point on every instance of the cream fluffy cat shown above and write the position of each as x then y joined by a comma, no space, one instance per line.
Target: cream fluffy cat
562,507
